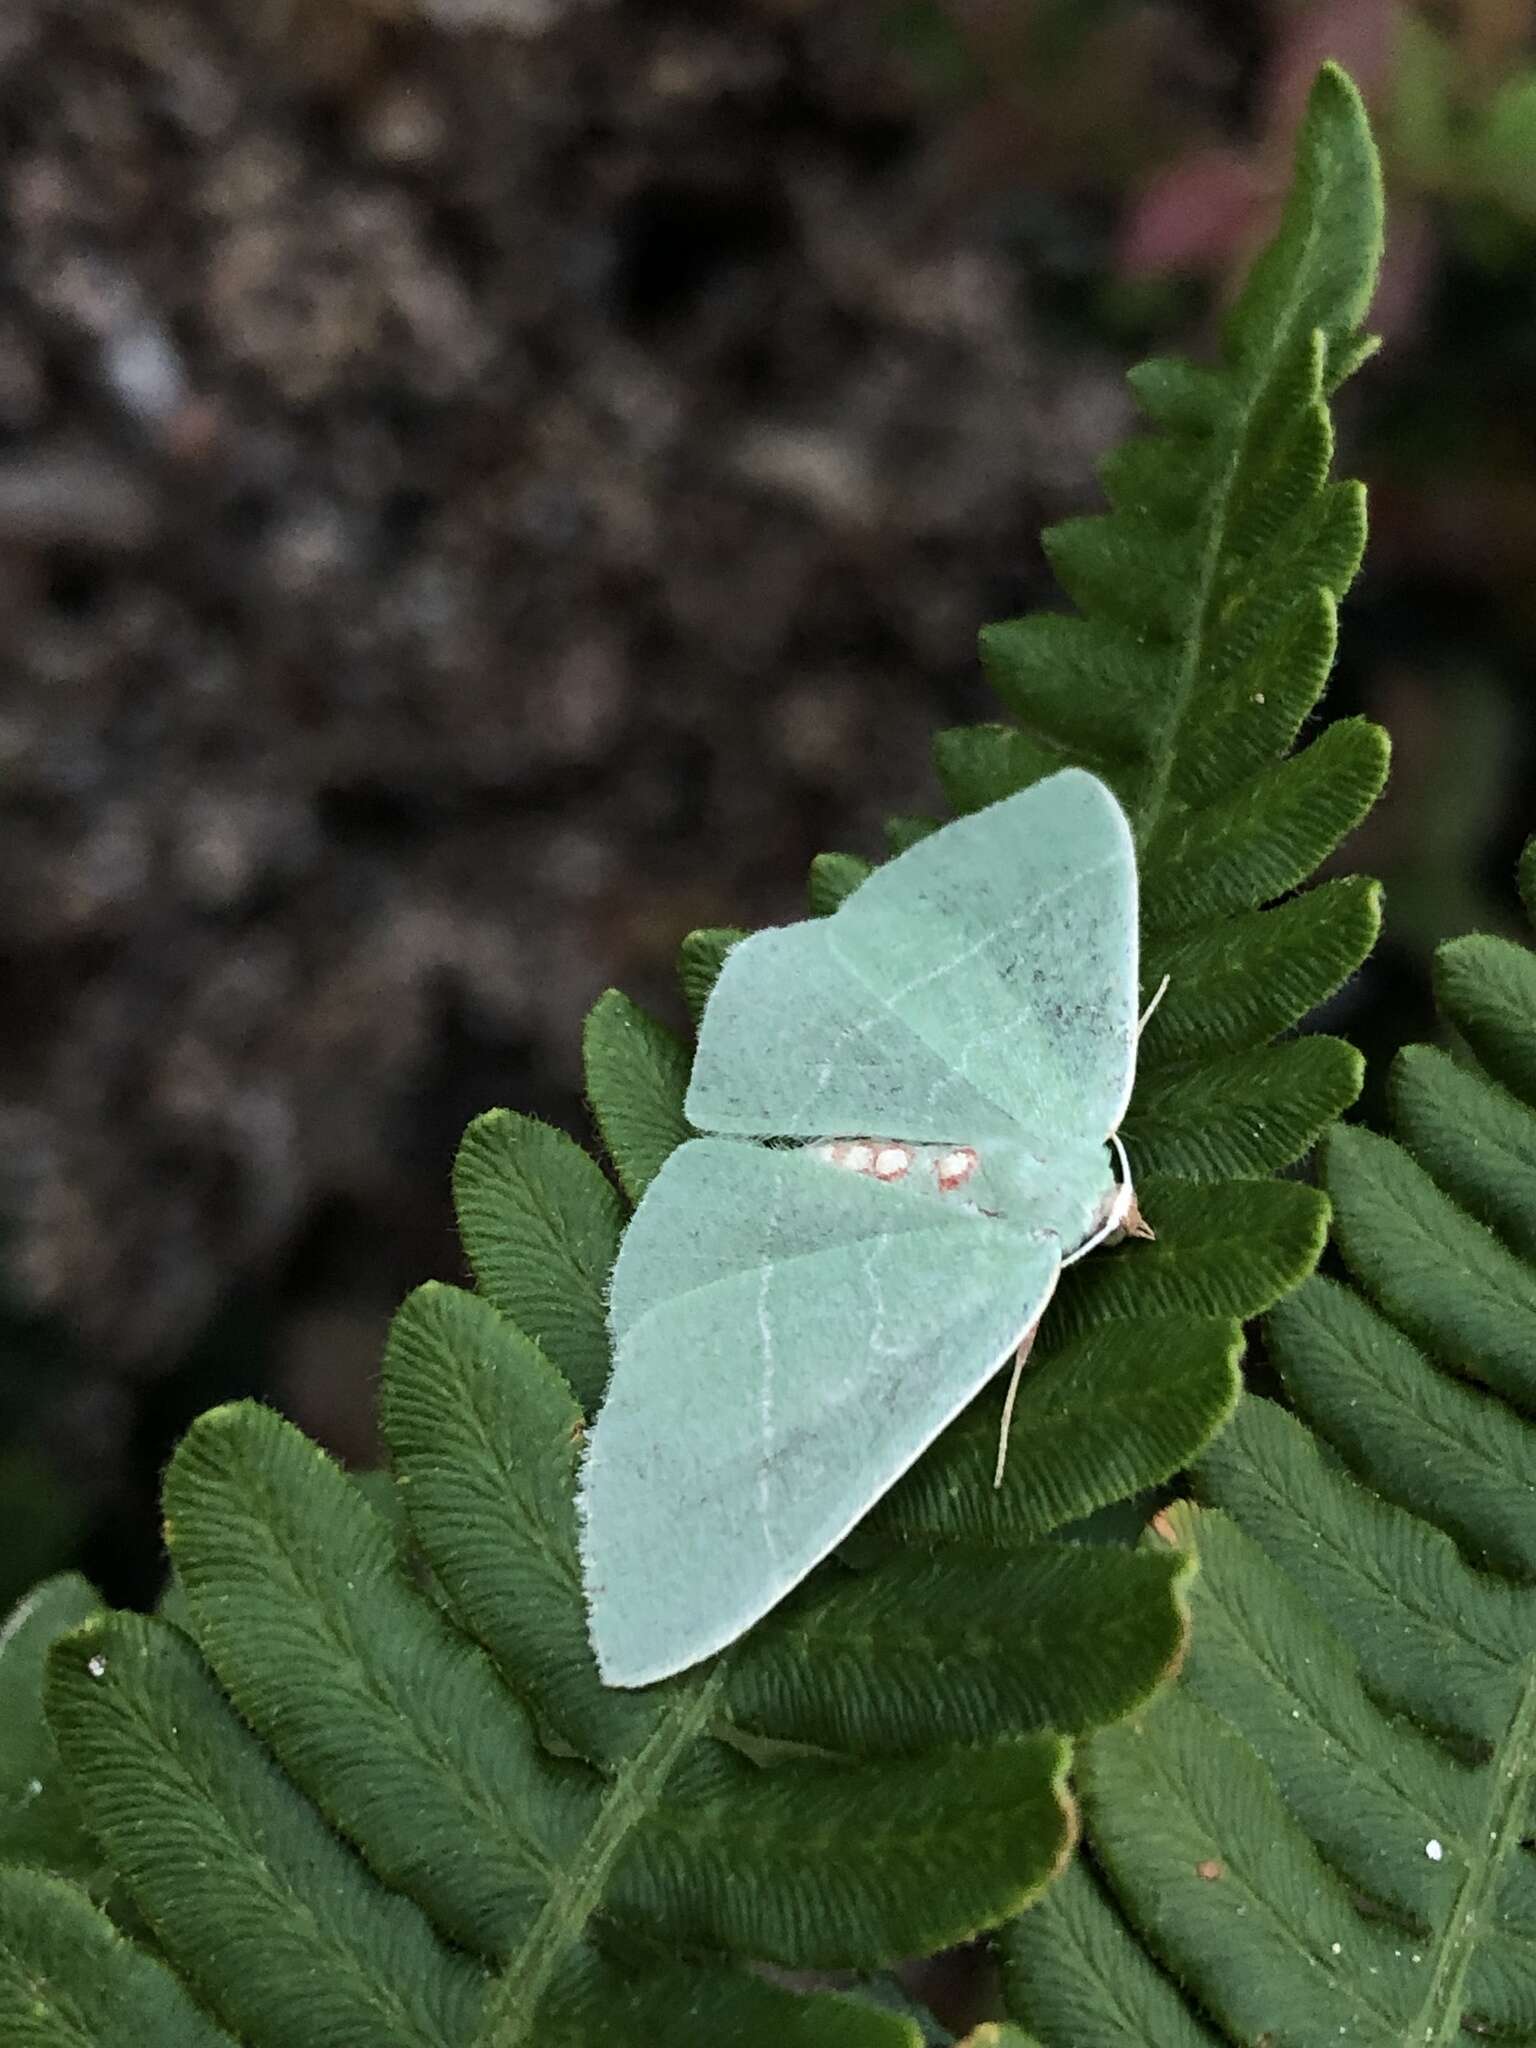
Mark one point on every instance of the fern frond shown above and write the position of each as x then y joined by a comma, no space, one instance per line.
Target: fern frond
1207,629
1208,595
1184,690
1323,1829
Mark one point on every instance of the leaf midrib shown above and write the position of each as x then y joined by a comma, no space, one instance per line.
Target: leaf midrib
1423,1612
1473,1914
194,1769
1499,1274
1149,809
1269,1912
355,1665
1332,1728
511,2010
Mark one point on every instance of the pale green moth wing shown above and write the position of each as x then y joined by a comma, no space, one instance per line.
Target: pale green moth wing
982,984
789,1337
827,1058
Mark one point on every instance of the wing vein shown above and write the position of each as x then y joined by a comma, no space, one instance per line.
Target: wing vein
963,1219
765,1410
887,1002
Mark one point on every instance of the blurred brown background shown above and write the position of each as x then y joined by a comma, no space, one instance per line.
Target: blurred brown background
486,485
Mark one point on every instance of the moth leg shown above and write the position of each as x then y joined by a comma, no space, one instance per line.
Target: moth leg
1146,1015
1020,1360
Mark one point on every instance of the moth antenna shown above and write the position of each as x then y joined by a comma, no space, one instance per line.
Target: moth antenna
1146,1015
1020,1360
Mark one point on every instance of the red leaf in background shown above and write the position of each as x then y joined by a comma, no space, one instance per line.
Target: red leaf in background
1196,214
1203,213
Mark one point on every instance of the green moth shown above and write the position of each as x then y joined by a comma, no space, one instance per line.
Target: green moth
910,1106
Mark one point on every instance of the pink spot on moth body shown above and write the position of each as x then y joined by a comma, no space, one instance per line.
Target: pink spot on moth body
951,1166
955,1168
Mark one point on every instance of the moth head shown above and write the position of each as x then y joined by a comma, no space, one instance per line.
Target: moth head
1120,1214
1131,1222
